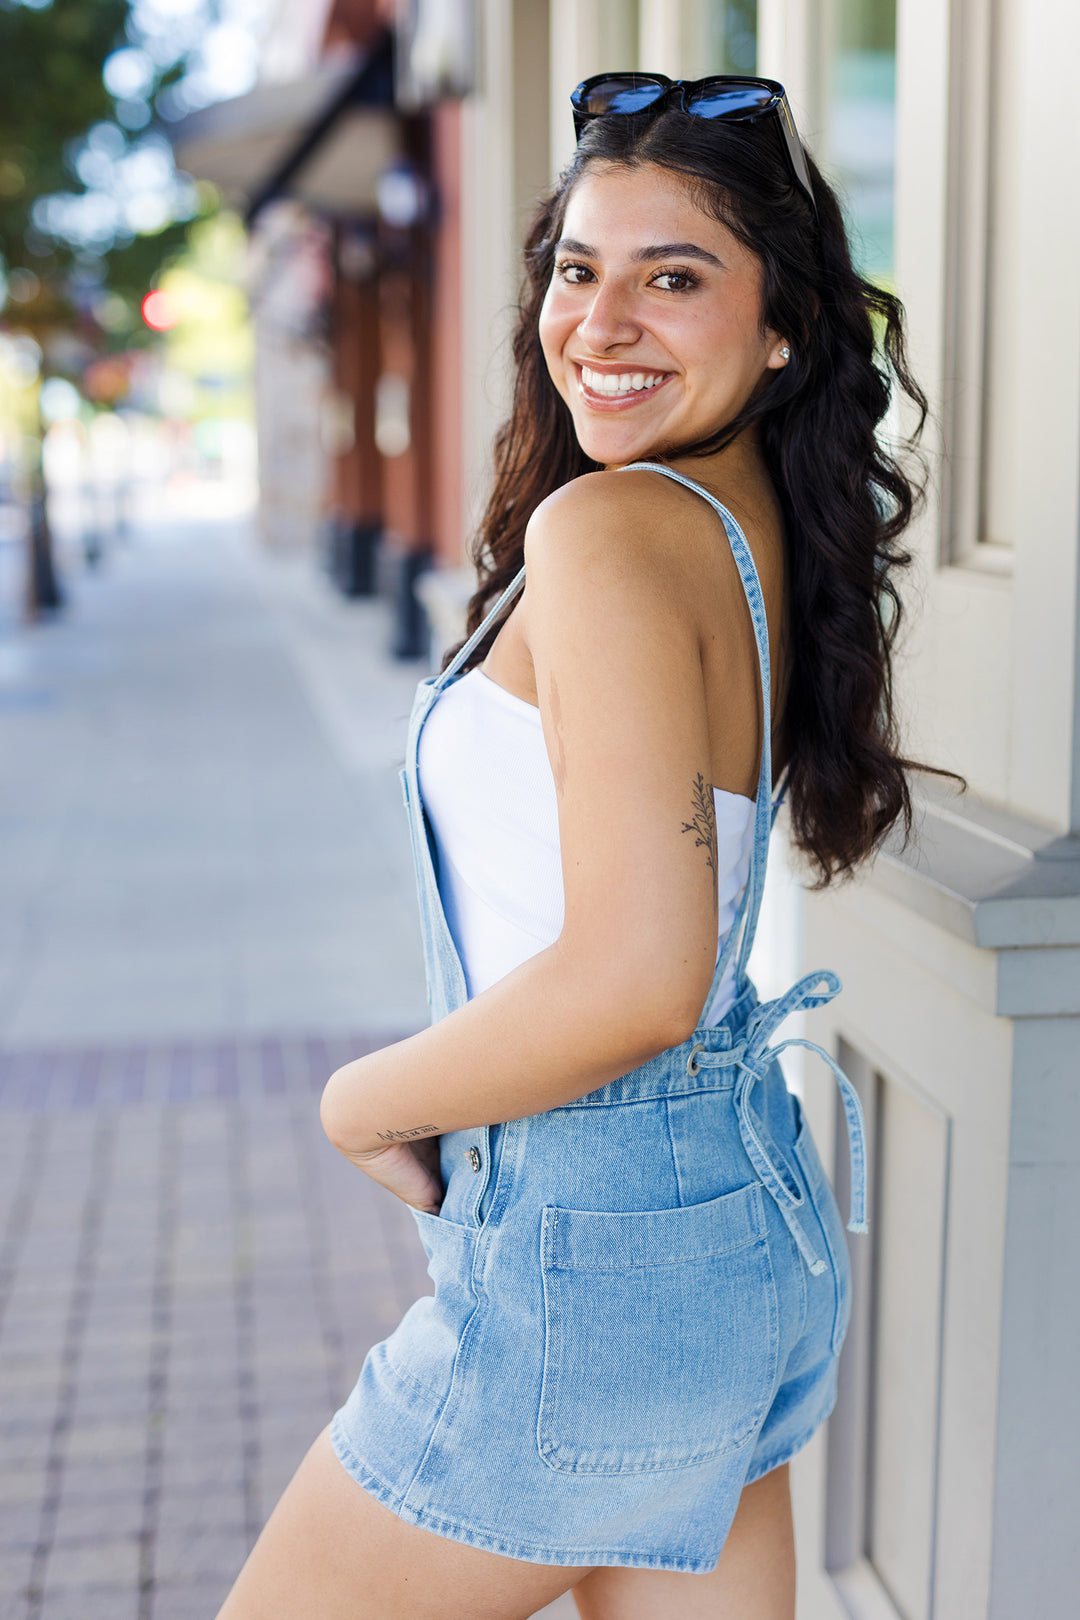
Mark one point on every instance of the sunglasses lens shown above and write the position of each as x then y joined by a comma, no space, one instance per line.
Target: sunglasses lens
731,101
625,93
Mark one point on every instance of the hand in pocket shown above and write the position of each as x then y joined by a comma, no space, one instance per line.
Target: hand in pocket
410,1170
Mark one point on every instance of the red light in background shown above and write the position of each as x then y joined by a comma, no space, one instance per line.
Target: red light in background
159,312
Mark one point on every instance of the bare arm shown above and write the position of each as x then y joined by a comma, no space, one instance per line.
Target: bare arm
607,618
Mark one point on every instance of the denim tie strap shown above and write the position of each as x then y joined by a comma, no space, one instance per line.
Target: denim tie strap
753,1056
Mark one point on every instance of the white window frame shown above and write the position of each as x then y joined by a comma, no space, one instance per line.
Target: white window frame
974,44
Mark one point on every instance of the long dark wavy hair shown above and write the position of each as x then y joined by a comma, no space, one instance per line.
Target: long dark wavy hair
845,499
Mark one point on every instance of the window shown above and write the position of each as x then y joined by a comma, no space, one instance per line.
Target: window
982,357
858,152
698,37
728,42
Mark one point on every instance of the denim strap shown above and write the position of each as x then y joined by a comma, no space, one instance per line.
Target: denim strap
464,653
744,926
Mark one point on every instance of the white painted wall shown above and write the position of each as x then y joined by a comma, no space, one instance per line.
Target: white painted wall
918,1005
991,673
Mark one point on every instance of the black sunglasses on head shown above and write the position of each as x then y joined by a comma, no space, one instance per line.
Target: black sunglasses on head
722,96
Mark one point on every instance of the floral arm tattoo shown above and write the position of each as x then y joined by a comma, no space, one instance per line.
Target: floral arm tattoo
703,824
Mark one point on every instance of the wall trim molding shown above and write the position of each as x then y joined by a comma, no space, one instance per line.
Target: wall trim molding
993,878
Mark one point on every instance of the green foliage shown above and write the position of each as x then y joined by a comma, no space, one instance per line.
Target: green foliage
51,95
211,343
51,92
135,266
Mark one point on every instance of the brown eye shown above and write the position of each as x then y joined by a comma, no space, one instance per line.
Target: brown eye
574,274
676,280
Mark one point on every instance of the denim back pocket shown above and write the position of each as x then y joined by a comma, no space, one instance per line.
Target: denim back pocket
831,1225
661,1335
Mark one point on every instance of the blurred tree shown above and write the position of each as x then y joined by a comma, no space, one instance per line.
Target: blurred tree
51,91
74,293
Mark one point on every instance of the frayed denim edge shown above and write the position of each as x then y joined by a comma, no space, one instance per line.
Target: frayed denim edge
455,1530
759,1470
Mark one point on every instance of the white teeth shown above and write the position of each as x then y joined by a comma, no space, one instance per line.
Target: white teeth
606,382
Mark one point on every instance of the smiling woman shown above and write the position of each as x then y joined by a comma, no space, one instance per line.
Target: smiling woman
641,1279
666,287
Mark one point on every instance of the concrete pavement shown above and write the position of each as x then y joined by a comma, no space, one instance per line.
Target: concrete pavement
205,906
202,827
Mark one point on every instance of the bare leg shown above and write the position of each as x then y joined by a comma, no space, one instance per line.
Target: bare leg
332,1552
754,1580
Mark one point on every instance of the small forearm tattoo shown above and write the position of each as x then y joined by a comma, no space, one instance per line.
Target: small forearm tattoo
703,825
407,1136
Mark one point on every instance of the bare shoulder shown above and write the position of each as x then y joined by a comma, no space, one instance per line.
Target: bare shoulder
622,526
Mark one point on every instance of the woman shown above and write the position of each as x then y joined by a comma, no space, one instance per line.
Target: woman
641,1282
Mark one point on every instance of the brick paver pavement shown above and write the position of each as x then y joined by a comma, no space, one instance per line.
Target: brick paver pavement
204,908
189,1279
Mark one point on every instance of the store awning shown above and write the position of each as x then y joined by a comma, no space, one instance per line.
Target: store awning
323,139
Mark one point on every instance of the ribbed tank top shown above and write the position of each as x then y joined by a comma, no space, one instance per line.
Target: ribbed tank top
489,793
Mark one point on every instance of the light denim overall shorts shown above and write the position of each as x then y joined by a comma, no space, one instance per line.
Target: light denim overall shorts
639,1297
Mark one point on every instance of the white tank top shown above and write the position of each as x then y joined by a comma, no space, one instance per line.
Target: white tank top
488,790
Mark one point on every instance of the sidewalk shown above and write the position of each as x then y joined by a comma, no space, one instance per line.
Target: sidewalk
203,831
205,906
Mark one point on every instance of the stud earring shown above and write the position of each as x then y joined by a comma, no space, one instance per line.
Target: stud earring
785,352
